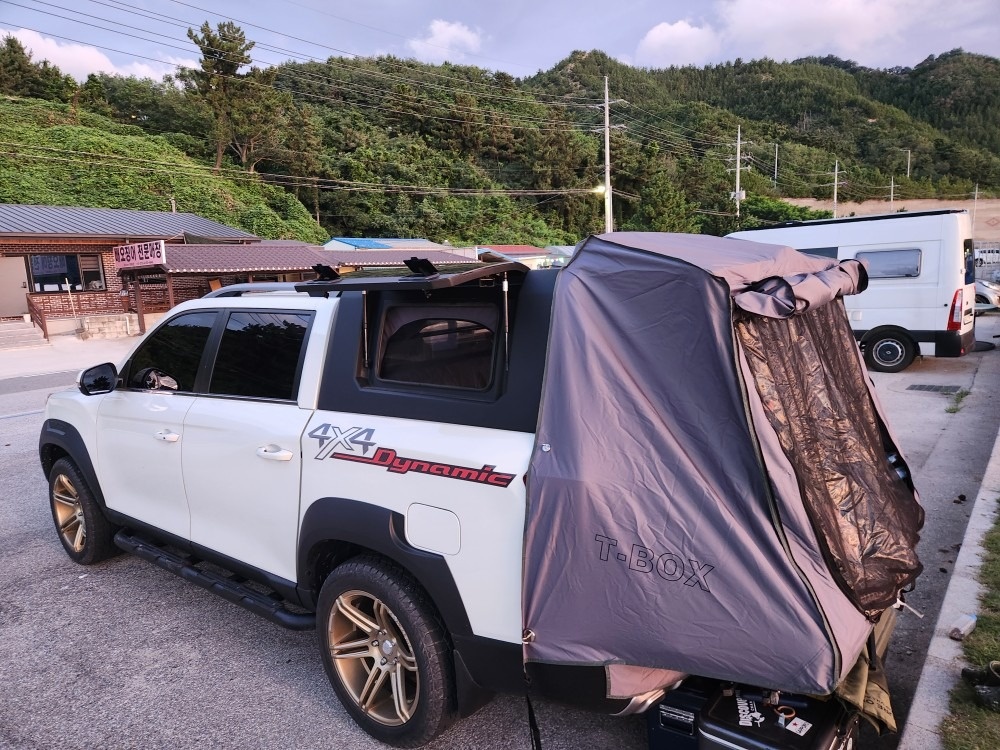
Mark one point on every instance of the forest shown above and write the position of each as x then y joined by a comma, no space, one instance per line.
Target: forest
386,147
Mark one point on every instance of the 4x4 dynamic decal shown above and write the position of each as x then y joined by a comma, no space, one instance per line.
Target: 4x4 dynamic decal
356,442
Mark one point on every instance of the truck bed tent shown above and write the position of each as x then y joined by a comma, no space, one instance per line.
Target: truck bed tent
711,491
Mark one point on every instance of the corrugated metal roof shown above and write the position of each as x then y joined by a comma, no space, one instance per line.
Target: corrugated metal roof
260,256
115,223
384,243
362,243
401,243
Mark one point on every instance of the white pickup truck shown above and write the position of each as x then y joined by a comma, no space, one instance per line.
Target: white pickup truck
356,454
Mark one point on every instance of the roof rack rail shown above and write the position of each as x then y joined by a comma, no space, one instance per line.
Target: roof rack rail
357,283
254,287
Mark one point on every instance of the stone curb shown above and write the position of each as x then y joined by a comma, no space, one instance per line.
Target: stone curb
945,659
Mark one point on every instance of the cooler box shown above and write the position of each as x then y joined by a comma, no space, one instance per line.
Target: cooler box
672,723
738,719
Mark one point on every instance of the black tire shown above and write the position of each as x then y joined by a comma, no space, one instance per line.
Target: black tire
889,352
85,533
385,633
981,300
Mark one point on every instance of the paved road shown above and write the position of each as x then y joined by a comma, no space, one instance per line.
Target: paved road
123,654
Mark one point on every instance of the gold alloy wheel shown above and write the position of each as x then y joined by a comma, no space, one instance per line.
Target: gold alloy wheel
69,513
373,658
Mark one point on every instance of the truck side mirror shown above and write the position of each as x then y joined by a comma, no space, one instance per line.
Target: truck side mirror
98,379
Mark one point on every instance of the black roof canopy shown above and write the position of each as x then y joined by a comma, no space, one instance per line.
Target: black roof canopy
353,283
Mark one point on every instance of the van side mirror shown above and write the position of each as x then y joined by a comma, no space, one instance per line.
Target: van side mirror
98,379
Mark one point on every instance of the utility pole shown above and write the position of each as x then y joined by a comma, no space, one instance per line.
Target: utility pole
836,183
774,182
975,202
609,218
907,161
892,192
738,195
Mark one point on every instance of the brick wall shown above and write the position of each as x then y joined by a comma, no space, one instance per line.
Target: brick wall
58,304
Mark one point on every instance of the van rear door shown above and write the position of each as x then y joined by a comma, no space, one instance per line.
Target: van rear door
969,290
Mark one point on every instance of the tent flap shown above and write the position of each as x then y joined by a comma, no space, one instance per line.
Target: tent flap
782,297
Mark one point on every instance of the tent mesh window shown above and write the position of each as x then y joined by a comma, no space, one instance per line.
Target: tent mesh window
865,516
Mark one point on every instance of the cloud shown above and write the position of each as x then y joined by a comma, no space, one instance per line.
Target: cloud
872,32
847,28
79,60
446,40
678,43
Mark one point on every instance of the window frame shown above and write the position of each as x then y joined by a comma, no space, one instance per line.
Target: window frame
127,371
874,274
433,312
80,287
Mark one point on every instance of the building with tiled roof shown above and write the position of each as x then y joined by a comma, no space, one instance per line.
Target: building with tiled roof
381,243
358,259
57,262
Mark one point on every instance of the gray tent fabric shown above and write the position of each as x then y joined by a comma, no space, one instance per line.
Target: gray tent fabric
666,527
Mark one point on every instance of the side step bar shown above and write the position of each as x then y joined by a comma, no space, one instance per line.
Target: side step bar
229,589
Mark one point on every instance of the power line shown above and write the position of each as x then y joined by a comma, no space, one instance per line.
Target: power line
496,123
454,106
321,45
167,167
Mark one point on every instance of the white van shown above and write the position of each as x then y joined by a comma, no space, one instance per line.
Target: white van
921,292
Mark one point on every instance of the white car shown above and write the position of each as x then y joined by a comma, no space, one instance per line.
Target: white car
987,293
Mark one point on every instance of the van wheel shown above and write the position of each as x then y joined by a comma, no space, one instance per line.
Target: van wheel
889,352
385,652
83,530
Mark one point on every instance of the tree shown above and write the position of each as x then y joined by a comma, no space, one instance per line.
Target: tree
217,80
157,108
304,146
663,208
20,76
758,211
258,118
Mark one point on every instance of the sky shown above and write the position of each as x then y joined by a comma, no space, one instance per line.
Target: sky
147,38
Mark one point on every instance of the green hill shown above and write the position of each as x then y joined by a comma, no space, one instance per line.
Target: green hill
51,153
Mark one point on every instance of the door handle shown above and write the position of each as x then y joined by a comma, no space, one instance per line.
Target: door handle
168,436
274,452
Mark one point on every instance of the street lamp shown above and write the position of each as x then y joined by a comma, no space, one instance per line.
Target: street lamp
603,190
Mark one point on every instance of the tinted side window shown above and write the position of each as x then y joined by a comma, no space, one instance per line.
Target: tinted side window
169,358
892,264
823,252
260,355
455,352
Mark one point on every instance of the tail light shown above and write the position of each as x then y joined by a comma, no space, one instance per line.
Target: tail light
955,319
